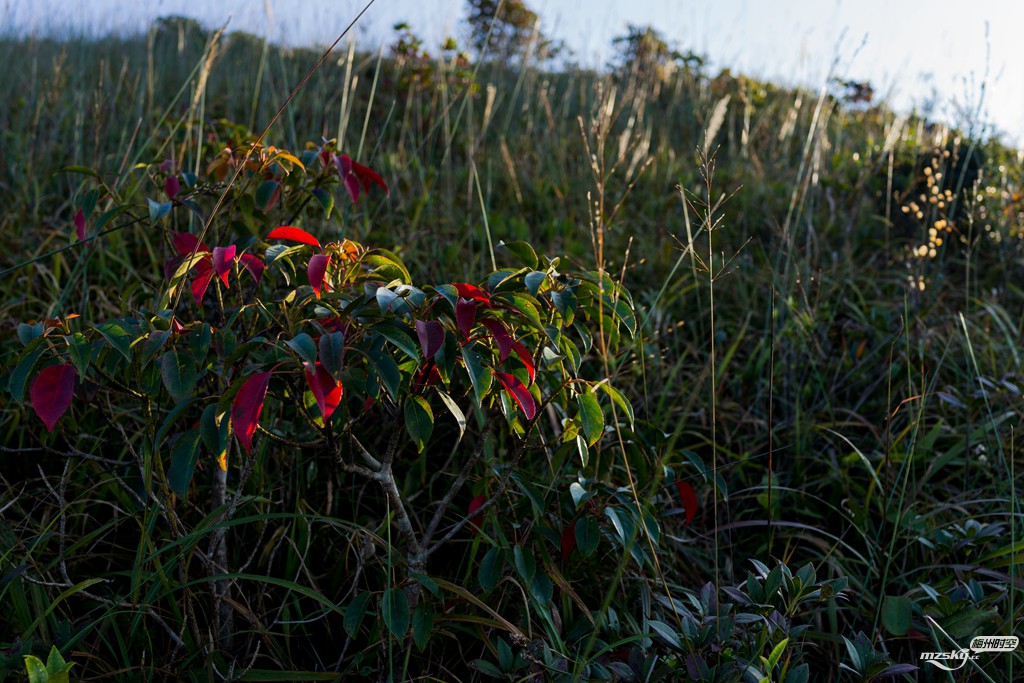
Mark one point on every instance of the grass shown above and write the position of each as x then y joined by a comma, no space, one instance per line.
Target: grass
853,399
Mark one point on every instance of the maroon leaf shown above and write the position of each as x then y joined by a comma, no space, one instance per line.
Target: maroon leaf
316,270
247,406
527,358
254,265
431,335
185,243
292,234
568,541
51,393
367,176
467,291
352,185
172,186
465,315
223,257
80,225
519,392
326,389
689,498
502,337
474,519
204,274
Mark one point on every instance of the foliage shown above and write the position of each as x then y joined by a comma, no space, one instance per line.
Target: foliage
505,30
797,382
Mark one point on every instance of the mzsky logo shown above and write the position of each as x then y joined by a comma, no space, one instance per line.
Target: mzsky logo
956,659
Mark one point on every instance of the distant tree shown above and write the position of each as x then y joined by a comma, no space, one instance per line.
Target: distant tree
505,29
644,50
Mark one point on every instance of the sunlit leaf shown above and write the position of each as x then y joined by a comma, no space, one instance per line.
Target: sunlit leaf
326,389
223,258
419,420
519,392
247,406
254,265
316,270
501,337
293,234
591,417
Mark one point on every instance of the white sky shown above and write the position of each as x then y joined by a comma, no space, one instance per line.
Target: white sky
909,49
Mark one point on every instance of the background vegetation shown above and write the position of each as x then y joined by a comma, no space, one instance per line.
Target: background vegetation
825,371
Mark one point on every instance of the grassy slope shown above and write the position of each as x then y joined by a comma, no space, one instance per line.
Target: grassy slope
793,332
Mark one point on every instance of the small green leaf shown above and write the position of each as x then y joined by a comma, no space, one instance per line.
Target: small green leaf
490,569
588,535
525,563
332,353
523,251
480,376
618,399
395,611
325,199
303,345
533,280
36,670
419,420
453,408
387,370
158,210
400,339
355,612
178,372
591,417
19,376
897,611
265,195
213,431
184,457
667,633
422,625
776,654
117,336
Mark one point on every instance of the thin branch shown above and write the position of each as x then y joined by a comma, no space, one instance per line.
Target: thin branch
453,490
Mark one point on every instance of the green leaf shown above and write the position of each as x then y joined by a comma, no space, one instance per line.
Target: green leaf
387,370
533,280
199,340
117,336
505,658
588,535
426,582
400,339
776,654
55,661
152,345
667,633
325,199
214,432
35,669
897,611
618,399
158,210
578,493
541,589
622,523
178,372
419,420
453,408
525,563
490,569
184,457
480,376
303,345
29,333
591,417
487,668
523,251
422,625
565,304
332,353
169,421
395,611
19,376
355,612
265,194
386,266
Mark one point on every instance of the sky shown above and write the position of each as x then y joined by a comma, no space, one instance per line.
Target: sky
958,56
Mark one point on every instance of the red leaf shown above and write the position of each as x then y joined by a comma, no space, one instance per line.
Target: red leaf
689,498
204,274
568,541
431,335
501,336
474,519
427,376
527,358
254,265
51,393
185,243
172,186
223,257
316,270
465,315
343,164
352,185
80,225
326,390
367,176
519,392
292,234
247,406
467,291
